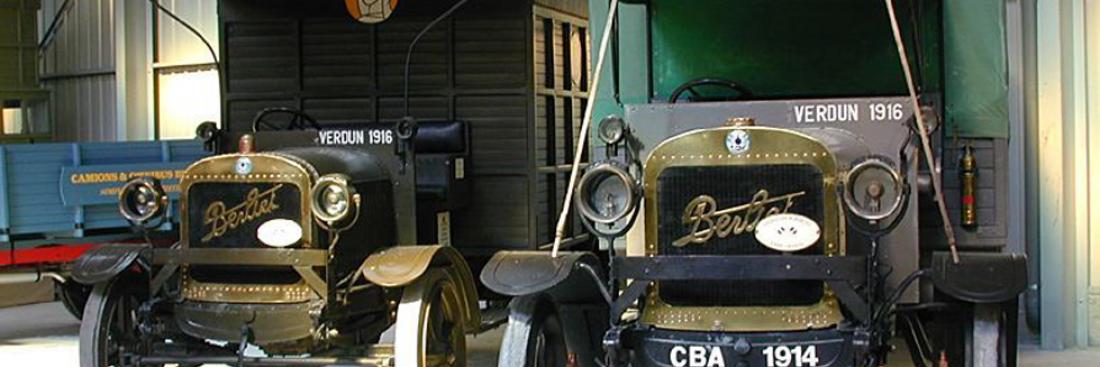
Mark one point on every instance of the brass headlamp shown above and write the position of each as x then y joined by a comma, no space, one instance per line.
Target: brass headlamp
333,199
142,200
606,194
874,190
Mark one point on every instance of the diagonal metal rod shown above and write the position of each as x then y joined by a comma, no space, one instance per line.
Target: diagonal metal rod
925,143
585,124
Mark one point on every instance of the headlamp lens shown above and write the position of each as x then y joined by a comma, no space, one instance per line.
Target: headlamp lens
141,200
605,194
874,190
611,130
335,200
332,198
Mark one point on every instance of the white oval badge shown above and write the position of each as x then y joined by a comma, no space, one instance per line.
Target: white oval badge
787,232
279,232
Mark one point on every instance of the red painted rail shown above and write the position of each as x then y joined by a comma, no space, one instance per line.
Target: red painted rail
54,254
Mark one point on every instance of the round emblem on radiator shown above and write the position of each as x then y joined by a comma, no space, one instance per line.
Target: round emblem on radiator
279,233
737,141
244,166
787,232
370,11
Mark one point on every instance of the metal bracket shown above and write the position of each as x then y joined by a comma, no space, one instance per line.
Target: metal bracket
313,280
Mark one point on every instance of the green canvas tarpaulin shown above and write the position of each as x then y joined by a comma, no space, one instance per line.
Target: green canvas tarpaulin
820,49
976,72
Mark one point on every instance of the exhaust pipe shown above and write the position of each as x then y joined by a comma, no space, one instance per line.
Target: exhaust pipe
24,277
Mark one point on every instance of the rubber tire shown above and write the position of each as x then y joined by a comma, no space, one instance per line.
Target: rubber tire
956,335
1007,325
433,290
104,297
73,296
528,319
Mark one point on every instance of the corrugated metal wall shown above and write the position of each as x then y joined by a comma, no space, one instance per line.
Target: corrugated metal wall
79,69
186,76
84,108
1062,169
176,45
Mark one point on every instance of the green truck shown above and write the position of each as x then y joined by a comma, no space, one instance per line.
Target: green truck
784,183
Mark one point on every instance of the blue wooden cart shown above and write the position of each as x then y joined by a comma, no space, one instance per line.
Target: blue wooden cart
70,190
58,200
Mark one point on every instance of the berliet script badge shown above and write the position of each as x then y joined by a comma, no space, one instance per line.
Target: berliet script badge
221,218
704,220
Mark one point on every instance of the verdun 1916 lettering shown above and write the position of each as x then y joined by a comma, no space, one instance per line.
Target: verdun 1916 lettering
705,221
255,205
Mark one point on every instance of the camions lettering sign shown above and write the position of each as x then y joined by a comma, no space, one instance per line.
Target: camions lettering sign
100,184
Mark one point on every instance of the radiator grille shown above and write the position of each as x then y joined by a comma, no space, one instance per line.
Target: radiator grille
732,186
215,207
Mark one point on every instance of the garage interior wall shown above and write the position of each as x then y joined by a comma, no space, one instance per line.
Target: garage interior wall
186,83
78,67
1064,169
119,70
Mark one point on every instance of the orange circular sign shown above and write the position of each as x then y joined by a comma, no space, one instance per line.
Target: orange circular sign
371,11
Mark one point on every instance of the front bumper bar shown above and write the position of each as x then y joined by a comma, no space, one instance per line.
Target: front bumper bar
301,260
251,257
844,274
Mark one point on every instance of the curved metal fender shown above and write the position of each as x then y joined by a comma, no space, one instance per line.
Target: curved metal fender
400,266
980,277
520,273
102,263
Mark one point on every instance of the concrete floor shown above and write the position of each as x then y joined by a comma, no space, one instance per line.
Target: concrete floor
46,335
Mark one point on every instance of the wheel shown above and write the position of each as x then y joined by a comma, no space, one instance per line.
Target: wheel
109,331
966,334
534,336
73,296
991,341
429,324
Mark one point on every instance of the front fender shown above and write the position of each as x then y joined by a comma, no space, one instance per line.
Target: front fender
400,266
980,277
572,276
102,263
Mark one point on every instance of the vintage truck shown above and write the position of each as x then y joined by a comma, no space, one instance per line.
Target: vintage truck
784,183
366,167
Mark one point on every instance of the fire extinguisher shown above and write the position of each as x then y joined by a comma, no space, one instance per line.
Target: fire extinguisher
968,177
